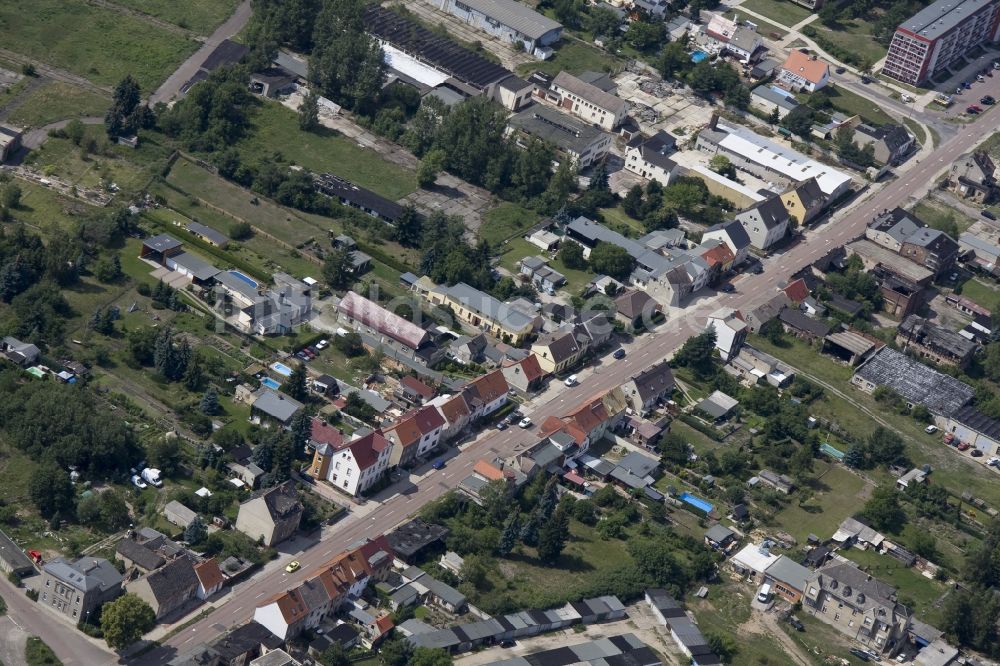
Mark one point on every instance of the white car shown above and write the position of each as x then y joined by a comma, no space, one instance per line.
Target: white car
138,482
322,344
524,423
570,381
930,430
993,462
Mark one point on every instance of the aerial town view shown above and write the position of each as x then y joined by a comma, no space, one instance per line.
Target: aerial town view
499,332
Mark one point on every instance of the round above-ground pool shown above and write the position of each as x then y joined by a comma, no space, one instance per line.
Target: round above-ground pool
698,56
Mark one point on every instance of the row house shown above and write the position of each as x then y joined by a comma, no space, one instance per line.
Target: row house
414,434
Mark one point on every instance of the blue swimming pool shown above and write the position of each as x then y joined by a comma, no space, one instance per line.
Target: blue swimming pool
270,383
696,502
281,369
246,278
698,56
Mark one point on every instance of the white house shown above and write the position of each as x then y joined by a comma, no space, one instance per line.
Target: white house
648,157
354,466
588,102
734,236
803,71
730,331
766,222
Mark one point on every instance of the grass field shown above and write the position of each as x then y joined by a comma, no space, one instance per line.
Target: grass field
100,44
981,292
853,103
197,15
914,588
837,494
517,248
276,129
55,100
854,37
785,13
765,28
939,216
618,220
575,57
506,221
37,653
48,212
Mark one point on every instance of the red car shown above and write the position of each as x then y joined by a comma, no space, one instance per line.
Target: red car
973,109
964,446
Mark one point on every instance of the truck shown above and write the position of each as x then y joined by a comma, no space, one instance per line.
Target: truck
152,476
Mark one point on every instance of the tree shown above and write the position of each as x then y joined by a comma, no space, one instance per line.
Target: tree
127,113
125,620
195,532
698,353
295,385
109,270
721,165
193,375
346,62
571,255
529,531
209,405
335,655
430,166
74,131
884,511
240,231
349,344
338,268
10,196
511,531
114,511
774,332
164,454
300,430
50,490
611,260
723,646
263,454
674,60
409,227
424,656
396,652
552,538
496,500
632,203
309,112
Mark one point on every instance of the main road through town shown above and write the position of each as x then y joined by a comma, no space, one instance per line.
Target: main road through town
752,290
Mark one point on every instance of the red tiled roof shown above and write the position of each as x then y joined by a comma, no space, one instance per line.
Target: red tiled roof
573,477
378,318
323,433
490,386
209,574
417,386
797,291
529,366
384,624
366,449
801,64
455,408
487,470
719,255
415,424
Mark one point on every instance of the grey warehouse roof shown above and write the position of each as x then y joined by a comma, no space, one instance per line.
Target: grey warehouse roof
515,15
550,125
915,382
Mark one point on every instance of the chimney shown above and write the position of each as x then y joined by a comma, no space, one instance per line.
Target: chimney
714,122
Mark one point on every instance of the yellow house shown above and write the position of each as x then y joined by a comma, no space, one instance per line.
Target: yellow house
804,201
482,311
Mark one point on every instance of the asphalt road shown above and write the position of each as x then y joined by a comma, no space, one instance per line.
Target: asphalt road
71,646
172,86
752,290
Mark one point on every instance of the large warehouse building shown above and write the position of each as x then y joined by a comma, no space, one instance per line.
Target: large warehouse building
938,35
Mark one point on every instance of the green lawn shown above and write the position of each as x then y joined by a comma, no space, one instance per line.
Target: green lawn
100,44
913,587
836,495
854,37
276,129
505,222
763,27
852,103
617,219
702,443
941,217
917,130
575,57
55,100
37,653
784,13
981,292
47,211
197,15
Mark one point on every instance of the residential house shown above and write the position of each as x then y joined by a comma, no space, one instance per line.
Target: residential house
255,310
649,157
788,578
635,309
766,223
210,578
525,376
361,263
385,328
558,350
937,343
270,406
482,311
722,34
803,201
415,538
169,588
243,644
541,275
76,589
891,228
23,354
178,514
588,102
730,331
733,235
803,71
431,590
973,177
635,471
768,99
355,466
414,435
891,142
932,249
753,366
575,141
762,314
414,391
916,383
468,349
858,605
486,394
980,251
720,537
588,422
802,326
456,412
135,555
271,515
651,386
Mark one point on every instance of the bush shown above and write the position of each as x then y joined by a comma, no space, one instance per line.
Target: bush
14,579
31,594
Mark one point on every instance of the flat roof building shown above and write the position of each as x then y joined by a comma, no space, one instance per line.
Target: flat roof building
581,143
510,21
916,383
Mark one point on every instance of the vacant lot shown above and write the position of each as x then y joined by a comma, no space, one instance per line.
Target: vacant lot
938,215
726,611
835,495
100,44
506,221
763,27
853,104
55,100
276,130
575,57
915,590
981,292
784,13
854,37
201,16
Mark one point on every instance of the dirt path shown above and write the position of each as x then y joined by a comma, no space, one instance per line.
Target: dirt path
12,105
766,624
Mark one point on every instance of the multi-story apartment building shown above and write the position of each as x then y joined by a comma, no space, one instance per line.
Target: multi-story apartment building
938,36
587,101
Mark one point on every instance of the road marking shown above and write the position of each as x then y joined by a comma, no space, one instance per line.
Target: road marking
260,595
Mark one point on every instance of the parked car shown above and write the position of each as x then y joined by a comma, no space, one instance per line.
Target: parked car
727,288
438,464
989,100
931,429
506,644
524,423
988,215
993,461
840,70
620,353
976,453
964,446
972,109
293,566
866,79
571,380
322,344
138,482
796,624
860,654
502,425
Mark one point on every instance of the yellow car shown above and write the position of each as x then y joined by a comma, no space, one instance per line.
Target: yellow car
292,566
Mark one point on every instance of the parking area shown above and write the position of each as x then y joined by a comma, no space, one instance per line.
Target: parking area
977,89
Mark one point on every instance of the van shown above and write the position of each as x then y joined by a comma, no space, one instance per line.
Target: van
764,593
571,380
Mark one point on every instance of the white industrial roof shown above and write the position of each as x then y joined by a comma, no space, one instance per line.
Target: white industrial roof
410,66
751,558
789,163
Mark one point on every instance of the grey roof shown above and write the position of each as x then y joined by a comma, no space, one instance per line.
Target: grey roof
980,244
182,513
624,649
769,94
895,137
162,243
936,337
719,533
915,382
12,555
290,63
140,554
973,419
654,381
745,39
902,266
845,581
591,93
208,232
514,83
276,404
563,131
490,307
515,15
562,344
242,287
639,464
473,483
788,571
937,19
656,148
802,322
174,583
810,193
245,638
198,267
443,591
86,574
772,212
717,405
598,79
736,232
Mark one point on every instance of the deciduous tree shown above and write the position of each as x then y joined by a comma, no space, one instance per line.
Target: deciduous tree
125,620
